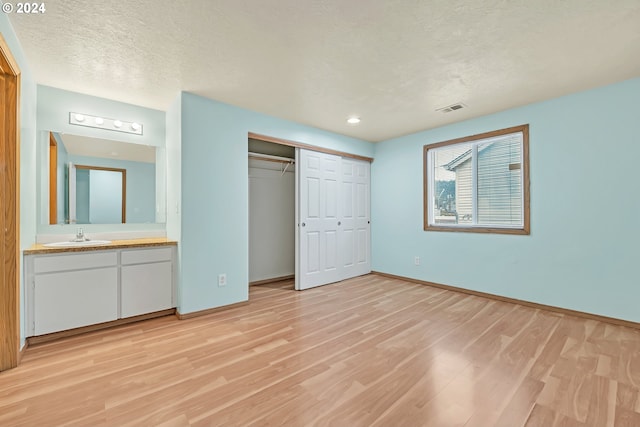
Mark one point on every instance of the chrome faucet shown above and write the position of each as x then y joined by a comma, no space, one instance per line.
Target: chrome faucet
80,237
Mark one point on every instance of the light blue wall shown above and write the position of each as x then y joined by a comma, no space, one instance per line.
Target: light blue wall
174,185
28,91
214,200
83,195
582,252
174,168
62,208
105,204
54,106
141,185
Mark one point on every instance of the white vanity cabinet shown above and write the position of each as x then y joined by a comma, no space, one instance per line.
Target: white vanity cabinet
146,281
74,289
70,291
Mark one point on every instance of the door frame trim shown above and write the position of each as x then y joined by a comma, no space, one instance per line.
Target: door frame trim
10,279
297,144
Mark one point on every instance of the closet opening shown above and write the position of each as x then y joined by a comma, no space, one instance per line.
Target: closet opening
309,214
272,198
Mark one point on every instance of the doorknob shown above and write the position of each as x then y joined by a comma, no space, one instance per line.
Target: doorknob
303,224
339,223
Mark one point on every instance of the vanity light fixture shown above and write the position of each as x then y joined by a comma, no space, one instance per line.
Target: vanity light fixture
353,120
104,123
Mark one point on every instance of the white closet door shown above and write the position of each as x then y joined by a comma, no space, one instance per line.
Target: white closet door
319,213
354,232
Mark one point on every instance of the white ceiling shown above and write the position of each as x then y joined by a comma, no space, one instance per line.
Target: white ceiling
317,62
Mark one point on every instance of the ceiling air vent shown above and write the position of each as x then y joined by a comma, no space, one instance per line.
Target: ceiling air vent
452,107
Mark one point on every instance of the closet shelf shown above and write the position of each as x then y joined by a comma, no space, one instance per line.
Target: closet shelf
271,158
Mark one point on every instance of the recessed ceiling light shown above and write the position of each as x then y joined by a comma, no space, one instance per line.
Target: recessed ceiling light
353,120
117,123
99,121
80,117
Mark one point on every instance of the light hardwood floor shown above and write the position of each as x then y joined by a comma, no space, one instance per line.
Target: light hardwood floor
369,351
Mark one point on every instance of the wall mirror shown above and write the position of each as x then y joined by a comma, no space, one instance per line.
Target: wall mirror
86,180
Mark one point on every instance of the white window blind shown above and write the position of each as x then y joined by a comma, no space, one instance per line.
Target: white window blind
499,181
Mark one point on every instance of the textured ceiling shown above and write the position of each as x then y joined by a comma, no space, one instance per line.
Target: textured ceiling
317,62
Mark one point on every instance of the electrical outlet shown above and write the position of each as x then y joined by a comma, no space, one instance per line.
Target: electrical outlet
416,260
222,279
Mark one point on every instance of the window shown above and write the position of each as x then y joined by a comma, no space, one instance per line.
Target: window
478,183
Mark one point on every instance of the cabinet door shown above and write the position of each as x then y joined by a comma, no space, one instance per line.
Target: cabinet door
72,299
146,288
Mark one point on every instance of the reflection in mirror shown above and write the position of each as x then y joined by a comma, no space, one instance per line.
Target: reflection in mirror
97,195
97,181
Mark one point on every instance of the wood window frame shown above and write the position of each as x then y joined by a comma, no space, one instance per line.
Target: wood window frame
526,227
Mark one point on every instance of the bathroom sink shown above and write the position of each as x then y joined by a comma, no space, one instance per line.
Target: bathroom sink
77,244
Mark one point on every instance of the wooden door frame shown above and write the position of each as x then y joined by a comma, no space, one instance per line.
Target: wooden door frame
10,212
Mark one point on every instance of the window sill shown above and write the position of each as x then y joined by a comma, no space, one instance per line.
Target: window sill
487,230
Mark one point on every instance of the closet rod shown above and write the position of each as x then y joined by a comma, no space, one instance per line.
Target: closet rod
270,158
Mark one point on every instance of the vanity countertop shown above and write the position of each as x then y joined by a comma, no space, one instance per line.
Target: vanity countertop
39,248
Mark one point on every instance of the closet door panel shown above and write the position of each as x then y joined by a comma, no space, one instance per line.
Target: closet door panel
362,225
362,247
313,201
355,230
334,226
319,202
331,251
348,221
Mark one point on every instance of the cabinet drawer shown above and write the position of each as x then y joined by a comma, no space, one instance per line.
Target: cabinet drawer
142,256
75,261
